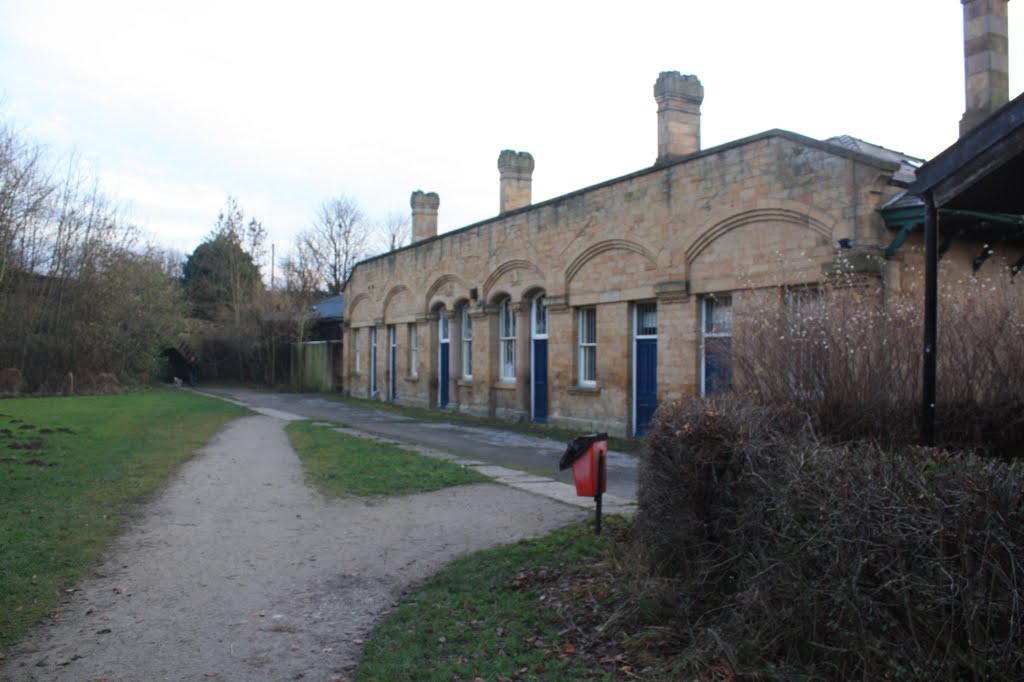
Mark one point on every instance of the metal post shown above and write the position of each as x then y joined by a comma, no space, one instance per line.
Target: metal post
597,497
931,301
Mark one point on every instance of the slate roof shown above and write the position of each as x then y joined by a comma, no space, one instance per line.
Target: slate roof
332,308
907,172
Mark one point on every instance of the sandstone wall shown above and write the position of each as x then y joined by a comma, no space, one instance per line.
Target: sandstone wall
757,213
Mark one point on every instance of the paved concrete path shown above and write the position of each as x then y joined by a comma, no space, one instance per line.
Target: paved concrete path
518,460
239,571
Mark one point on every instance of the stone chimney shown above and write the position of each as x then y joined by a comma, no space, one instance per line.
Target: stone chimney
679,99
516,169
424,215
986,61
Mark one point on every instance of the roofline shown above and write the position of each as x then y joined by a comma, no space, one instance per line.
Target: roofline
978,141
828,147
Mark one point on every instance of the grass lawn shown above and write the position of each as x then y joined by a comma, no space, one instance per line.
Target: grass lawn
70,469
501,615
340,465
627,445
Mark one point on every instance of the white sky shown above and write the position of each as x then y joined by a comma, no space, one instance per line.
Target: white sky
175,105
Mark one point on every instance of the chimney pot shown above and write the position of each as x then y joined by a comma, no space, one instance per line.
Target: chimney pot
424,215
679,98
516,171
986,61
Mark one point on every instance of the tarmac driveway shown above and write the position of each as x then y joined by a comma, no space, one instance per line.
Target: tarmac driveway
533,454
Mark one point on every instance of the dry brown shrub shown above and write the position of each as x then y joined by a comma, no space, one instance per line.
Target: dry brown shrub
853,362
790,559
10,381
103,383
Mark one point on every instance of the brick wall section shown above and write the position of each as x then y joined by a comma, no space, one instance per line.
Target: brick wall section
760,212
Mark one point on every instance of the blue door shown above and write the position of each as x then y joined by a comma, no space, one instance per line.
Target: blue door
646,383
442,394
645,368
539,360
540,381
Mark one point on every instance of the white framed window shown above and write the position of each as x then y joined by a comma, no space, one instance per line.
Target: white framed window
587,347
540,318
716,344
414,351
373,362
466,329
506,341
355,351
646,321
392,361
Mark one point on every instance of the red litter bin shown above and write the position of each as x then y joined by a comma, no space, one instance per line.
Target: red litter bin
588,455
589,471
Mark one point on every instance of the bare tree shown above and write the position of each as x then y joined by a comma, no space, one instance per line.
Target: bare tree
338,239
300,273
395,231
77,291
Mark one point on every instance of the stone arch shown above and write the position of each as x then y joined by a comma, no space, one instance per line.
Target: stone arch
739,220
444,288
505,268
613,265
355,314
533,291
498,294
599,248
398,301
764,247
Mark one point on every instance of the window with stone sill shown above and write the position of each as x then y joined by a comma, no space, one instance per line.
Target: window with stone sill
716,344
506,342
413,352
587,347
466,328
355,351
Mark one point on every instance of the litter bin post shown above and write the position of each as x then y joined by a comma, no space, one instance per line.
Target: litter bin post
587,455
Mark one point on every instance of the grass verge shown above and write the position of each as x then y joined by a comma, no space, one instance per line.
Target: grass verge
340,465
501,615
69,470
626,445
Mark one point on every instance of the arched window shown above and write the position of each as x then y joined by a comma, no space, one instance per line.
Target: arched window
506,341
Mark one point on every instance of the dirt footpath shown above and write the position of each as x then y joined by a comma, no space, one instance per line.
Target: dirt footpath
238,571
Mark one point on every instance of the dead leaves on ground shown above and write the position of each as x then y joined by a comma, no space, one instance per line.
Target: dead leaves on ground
584,602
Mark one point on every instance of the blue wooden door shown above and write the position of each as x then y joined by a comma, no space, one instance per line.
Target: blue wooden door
646,383
442,378
540,381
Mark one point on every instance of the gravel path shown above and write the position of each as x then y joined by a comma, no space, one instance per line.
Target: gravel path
238,571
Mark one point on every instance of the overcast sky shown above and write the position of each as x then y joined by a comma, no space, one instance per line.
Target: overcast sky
175,105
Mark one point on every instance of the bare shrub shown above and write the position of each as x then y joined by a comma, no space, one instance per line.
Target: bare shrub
853,362
78,291
10,381
772,555
99,383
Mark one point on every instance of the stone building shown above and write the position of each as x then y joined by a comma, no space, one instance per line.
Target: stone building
589,309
